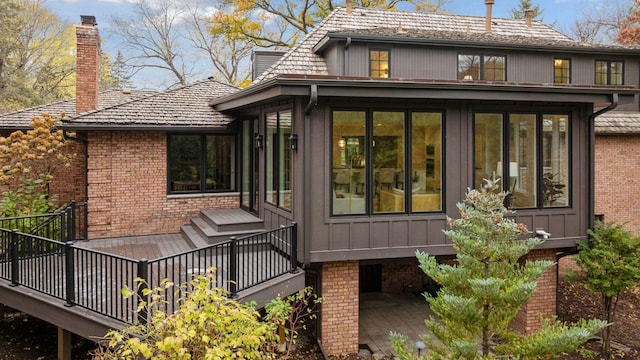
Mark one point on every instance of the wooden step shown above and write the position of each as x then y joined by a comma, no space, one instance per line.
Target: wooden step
194,237
213,236
228,220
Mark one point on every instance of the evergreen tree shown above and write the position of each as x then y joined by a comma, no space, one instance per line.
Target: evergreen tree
486,287
518,11
610,264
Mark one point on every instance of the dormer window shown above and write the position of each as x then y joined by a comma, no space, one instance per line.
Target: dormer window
609,72
561,71
379,63
481,67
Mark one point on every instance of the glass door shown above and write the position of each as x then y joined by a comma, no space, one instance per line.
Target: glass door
249,198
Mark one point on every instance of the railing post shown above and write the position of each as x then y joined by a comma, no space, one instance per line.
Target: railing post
293,256
13,249
143,273
63,228
233,266
70,278
72,221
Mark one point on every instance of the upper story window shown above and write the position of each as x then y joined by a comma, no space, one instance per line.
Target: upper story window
386,162
278,159
537,149
200,163
609,72
482,67
379,63
561,71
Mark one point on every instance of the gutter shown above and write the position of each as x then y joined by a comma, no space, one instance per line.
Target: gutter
592,155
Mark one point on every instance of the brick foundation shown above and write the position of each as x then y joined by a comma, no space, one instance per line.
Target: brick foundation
339,315
402,277
128,187
616,161
543,301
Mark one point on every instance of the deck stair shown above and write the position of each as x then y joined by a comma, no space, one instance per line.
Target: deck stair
214,226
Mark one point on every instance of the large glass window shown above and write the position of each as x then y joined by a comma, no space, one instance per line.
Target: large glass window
379,63
537,173
399,153
561,71
278,159
481,67
201,163
609,72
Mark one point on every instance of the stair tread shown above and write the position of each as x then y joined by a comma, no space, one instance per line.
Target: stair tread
194,237
231,217
209,231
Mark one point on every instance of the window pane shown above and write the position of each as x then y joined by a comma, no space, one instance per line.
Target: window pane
522,160
555,158
561,71
601,73
388,160
220,162
184,158
616,73
468,67
426,161
349,185
271,140
494,68
488,147
284,161
379,63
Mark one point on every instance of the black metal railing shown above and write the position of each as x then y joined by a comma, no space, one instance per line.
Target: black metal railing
93,279
62,225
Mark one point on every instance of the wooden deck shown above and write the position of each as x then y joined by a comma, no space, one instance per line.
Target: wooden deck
99,278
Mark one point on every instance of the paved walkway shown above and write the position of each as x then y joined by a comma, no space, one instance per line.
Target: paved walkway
382,313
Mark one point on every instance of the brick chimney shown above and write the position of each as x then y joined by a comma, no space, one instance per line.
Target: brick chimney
528,16
487,26
349,6
87,64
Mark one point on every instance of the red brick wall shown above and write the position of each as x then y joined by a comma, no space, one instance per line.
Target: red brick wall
543,301
339,314
402,277
128,188
617,182
69,182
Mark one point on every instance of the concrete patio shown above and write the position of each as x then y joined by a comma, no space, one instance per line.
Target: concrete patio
381,313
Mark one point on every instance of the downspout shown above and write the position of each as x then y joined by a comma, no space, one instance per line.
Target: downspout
313,102
592,155
345,66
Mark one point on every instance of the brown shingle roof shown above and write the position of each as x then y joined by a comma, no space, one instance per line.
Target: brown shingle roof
301,59
21,119
618,123
184,106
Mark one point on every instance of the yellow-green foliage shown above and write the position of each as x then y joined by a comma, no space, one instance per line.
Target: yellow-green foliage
207,325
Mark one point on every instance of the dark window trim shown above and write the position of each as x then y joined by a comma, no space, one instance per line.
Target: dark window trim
203,162
482,55
369,159
569,80
608,62
539,151
388,51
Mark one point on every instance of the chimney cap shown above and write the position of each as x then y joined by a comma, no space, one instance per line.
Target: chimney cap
88,20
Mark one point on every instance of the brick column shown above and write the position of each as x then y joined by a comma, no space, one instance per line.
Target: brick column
339,316
543,301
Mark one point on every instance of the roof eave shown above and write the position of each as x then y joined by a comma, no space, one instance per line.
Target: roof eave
291,85
127,127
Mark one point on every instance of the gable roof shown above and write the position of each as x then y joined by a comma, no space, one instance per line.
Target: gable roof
301,59
187,106
21,119
618,123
